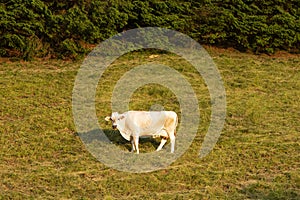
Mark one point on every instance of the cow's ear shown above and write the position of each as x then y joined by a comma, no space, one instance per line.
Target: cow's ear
121,117
107,118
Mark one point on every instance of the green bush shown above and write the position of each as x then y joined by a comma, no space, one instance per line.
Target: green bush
36,28
261,26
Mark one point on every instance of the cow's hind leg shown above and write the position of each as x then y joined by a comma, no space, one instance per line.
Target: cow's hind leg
162,143
170,125
172,136
172,139
172,143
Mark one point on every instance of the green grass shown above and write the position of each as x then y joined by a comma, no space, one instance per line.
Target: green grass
256,157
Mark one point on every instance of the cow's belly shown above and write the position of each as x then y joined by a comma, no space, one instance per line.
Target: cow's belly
154,134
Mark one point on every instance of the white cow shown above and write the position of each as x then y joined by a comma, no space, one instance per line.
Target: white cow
135,124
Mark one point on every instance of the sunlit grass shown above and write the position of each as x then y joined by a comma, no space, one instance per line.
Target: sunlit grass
256,157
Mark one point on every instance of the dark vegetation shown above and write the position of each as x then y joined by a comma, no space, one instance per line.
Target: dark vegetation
69,29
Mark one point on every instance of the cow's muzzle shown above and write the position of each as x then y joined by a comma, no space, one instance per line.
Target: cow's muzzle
114,126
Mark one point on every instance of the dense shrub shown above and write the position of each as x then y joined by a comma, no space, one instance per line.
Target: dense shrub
36,28
262,26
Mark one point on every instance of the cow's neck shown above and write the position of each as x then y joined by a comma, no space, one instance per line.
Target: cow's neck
121,125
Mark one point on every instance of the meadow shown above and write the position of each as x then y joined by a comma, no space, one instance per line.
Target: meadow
256,156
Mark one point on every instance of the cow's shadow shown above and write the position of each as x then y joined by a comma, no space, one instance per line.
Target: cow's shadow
113,136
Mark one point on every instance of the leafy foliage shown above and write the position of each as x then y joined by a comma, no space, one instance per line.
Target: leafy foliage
262,26
36,28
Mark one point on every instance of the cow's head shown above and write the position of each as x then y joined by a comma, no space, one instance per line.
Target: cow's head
114,118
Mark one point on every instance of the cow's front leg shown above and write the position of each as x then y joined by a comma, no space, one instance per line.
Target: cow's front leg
132,143
136,143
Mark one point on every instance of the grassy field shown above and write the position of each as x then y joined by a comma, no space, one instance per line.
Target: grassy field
256,157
